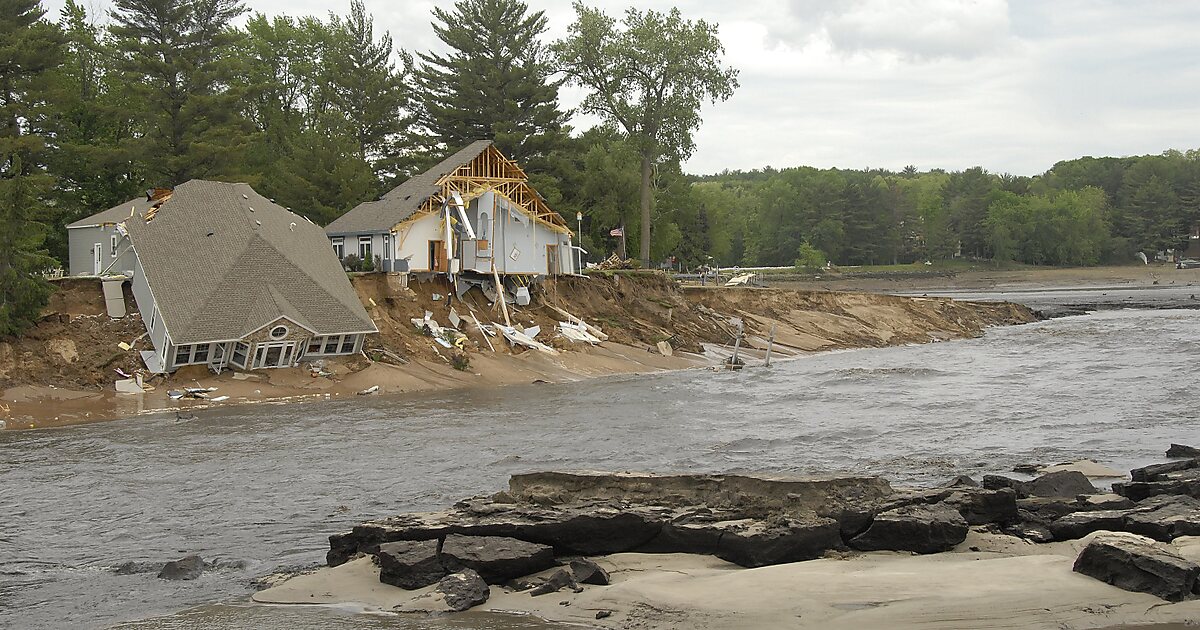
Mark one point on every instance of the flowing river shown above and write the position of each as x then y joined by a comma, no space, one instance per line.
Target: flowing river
259,488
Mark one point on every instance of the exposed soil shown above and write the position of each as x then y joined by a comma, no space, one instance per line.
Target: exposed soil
72,354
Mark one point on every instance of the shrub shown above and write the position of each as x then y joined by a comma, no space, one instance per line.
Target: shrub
809,258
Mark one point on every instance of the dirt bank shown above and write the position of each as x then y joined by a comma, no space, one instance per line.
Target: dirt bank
62,370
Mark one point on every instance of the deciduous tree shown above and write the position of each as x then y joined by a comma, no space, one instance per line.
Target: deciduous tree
649,77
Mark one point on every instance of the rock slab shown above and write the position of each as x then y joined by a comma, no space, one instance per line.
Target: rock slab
1138,564
915,528
496,559
410,564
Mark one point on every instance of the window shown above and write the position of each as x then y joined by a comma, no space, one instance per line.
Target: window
387,247
279,332
339,246
331,344
183,355
364,247
201,354
239,353
348,343
314,345
112,245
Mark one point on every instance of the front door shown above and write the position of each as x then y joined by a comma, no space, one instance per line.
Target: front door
97,259
437,256
553,262
273,354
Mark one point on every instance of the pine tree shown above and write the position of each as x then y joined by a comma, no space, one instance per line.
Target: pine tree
90,119
175,54
370,91
29,48
495,84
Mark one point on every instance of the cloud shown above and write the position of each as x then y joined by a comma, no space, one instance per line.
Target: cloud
918,29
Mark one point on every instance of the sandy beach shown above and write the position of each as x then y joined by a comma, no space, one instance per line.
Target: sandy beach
988,581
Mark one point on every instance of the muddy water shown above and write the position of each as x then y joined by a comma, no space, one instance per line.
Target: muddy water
258,489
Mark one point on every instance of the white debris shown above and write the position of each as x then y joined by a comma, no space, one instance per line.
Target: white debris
519,338
368,391
577,332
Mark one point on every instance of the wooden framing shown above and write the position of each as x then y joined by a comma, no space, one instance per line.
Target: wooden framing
490,170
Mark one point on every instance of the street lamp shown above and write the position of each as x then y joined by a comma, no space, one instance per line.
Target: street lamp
579,249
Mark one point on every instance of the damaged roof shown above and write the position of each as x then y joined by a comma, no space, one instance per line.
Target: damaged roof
404,200
116,214
223,261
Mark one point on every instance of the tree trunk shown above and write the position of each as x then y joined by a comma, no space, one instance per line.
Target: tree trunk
645,236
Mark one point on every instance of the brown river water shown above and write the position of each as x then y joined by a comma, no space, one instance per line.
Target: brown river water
258,489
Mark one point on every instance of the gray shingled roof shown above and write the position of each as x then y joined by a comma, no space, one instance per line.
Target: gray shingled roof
223,261
115,214
404,200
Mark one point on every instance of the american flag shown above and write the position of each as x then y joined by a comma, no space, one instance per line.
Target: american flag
616,232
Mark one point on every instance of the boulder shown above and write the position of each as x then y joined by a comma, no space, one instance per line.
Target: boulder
981,506
1151,472
463,590
760,543
410,564
586,571
1183,482
1033,532
496,559
999,482
1065,484
557,581
916,528
1165,517
188,568
1181,450
962,481
1138,564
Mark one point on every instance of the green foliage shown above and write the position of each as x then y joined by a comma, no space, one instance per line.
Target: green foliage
175,59
30,48
648,78
495,83
809,257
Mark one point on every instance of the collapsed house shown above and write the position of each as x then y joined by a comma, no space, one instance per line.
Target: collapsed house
224,277
97,245
473,214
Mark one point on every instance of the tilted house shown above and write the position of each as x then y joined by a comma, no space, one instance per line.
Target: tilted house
419,227
224,277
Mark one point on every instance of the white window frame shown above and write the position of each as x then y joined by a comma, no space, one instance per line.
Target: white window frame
337,341
112,245
387,246
365,253
339,246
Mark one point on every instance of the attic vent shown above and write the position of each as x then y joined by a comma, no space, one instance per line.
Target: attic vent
244,196
210,233
251,208
257,222
292,227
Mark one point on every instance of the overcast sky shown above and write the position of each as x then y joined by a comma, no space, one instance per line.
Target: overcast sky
1013,86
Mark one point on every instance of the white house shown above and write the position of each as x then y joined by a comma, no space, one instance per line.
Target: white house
470,214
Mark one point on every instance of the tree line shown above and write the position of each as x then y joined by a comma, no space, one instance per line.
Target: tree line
1081,212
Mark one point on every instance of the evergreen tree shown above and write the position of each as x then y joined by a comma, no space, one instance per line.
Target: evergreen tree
175,54
370,91
91,127
495,84
29,48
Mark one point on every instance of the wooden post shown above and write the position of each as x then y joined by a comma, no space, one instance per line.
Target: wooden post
482,331
737,344
770,343
500,292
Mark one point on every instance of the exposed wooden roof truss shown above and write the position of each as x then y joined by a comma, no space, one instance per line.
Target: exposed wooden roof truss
490,170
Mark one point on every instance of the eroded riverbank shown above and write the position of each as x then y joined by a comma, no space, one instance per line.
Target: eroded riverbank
62,371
